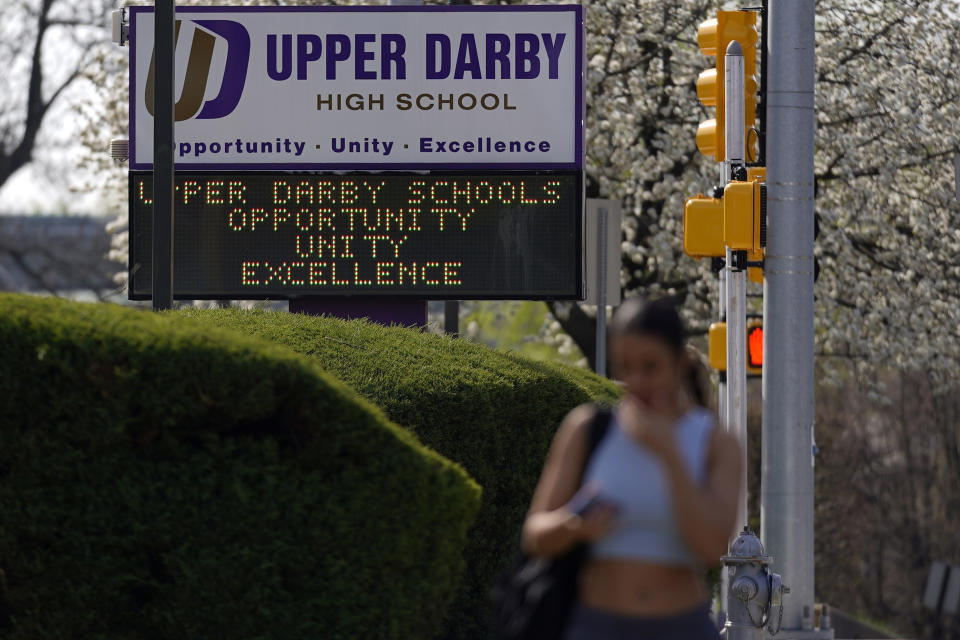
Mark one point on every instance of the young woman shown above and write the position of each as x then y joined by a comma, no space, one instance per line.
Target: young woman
661,492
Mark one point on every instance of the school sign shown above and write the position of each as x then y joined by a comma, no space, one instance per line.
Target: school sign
341,88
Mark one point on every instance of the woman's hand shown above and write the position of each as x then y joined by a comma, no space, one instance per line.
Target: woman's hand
594,524
653,429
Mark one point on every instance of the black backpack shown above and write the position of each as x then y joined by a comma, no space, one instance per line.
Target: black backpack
534,598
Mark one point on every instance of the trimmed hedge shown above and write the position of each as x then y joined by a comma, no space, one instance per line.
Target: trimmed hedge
160,478
493,412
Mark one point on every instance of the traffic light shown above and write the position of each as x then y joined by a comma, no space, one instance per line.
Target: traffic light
736,220
754,347
703,227
713,36
755,274
757,173
744,213
717,346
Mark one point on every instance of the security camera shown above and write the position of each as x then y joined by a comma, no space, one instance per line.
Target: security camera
120,150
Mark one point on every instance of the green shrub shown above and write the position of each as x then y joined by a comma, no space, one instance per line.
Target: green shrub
493,412
160,478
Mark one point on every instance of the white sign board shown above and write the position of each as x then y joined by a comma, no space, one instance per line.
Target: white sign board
310,88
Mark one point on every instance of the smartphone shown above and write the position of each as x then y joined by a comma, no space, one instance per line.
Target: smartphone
585,499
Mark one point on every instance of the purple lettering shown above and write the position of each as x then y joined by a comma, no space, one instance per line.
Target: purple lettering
360,42
392,48
552,49
498,50
286,52
528,60
338,50
435,71
467,58
308,50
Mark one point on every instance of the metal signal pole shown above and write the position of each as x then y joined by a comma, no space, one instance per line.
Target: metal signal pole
786,509
736,285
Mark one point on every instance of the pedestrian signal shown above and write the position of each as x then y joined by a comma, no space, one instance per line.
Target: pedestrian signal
754,347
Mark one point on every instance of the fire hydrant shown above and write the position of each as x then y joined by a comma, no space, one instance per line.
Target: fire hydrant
754,591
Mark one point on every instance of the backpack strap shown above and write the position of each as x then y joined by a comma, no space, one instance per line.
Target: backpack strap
599,424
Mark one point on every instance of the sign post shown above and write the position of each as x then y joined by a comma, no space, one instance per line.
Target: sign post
163,166
602,248
956,175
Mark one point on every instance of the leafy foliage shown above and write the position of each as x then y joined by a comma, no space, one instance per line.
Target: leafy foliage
887,106
887,103
493,412
164,479
521,325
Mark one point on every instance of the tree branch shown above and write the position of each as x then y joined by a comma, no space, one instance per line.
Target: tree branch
11,160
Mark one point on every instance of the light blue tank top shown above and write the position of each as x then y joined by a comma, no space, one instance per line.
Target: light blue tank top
633,477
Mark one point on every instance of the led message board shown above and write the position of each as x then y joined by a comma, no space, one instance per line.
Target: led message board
250,235
367,87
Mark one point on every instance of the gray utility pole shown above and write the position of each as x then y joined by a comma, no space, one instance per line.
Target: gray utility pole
786,510
736,289
601,284
163,173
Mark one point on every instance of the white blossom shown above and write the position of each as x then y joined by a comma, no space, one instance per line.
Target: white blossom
888,104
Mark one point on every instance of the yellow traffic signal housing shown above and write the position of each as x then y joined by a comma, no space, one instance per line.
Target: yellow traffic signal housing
737,221
703,220
755,274
754,347
741,216
751,136
713,36
717,346
708,133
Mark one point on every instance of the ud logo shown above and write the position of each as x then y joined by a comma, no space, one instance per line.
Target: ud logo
198,71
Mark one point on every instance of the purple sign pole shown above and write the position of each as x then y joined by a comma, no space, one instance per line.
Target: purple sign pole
406,313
